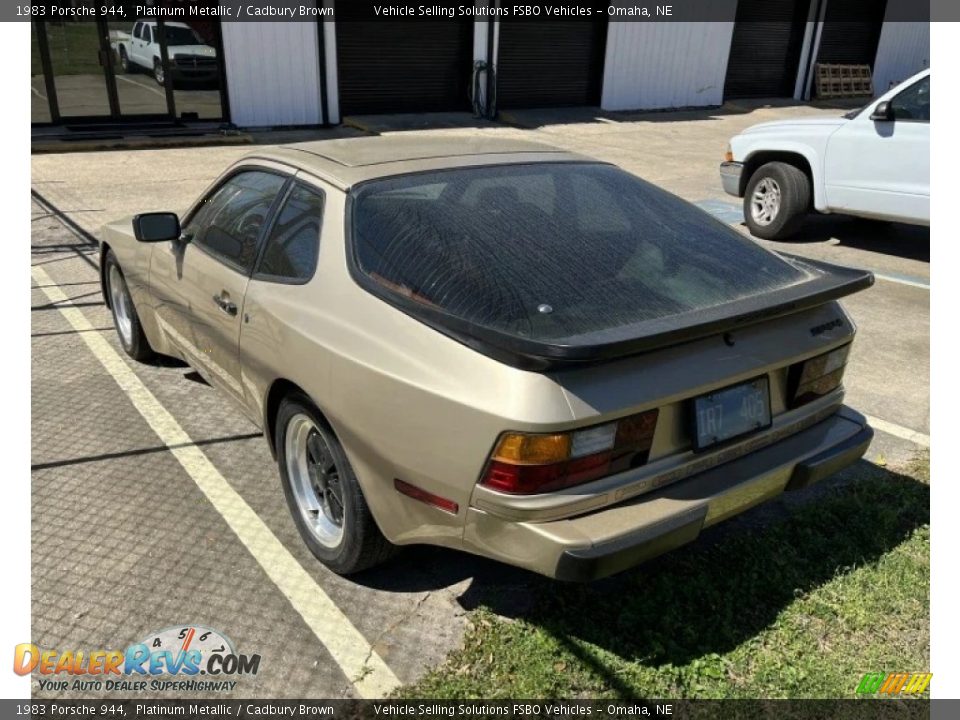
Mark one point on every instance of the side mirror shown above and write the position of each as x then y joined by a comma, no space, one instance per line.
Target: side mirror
156,227
883,112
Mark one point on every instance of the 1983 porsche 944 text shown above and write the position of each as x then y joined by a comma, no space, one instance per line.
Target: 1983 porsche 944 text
495,346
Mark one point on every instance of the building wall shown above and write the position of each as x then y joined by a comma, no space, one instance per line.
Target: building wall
904,50
273,73
665,65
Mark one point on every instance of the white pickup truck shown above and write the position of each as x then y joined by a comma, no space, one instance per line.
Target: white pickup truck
190,57
873,163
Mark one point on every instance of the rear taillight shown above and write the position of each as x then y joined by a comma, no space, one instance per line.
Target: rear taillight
817,376
527,463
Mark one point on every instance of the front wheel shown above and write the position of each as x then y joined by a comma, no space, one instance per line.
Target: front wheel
158,73
125,318
776,200
322,491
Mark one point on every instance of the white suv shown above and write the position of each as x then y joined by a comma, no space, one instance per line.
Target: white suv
873,162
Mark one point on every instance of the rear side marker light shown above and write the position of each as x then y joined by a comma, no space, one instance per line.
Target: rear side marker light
412,491
817,376
529,463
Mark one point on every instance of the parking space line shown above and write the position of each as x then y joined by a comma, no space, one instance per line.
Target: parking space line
363,666
140,85
917,438
902,279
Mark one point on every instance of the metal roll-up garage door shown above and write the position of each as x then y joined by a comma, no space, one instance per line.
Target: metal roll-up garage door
765,50
851,31
386,66
550,63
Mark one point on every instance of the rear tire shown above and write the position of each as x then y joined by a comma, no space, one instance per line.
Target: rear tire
125,318
776,200
322,491
125,64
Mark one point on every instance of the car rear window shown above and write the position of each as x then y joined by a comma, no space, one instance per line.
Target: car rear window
552,250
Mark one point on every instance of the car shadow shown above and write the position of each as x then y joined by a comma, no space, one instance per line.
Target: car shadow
168,361
707,597
910,242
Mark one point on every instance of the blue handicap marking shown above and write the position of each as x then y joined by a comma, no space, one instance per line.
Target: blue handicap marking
722,210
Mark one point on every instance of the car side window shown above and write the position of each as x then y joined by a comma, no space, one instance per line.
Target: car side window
913,103
227,225
291,249
136,30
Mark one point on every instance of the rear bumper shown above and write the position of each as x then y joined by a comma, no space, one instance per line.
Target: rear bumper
616,538
730,173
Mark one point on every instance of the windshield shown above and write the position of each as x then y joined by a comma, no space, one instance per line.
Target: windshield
552,250
181,36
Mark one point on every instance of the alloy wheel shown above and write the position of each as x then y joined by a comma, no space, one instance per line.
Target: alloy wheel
765,201
315,480
122,306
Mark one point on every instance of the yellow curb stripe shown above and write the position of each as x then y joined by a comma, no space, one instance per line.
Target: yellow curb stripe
370,675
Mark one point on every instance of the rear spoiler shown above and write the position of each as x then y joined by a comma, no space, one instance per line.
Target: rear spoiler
827,282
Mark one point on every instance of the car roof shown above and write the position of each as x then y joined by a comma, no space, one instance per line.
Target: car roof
348,161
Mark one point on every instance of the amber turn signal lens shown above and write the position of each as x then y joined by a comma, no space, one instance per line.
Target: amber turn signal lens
527,449
528,463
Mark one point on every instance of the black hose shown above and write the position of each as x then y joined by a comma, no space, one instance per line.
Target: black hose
484,95
477,99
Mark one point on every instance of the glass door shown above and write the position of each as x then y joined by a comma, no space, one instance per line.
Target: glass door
136,55
41,85
77,60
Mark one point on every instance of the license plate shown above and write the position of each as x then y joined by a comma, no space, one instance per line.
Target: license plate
725,414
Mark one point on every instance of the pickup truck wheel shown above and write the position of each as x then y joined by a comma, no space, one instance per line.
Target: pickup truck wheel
322,491
125,317
125,63
158,73
776,199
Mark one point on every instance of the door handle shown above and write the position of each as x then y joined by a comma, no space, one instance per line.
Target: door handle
224,303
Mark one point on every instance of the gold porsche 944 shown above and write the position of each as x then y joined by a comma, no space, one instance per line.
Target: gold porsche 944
495,346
